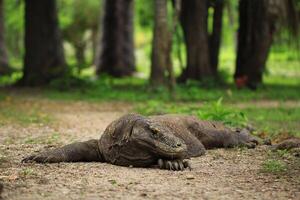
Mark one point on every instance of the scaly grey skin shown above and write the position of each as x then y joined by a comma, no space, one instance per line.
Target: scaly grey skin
135,140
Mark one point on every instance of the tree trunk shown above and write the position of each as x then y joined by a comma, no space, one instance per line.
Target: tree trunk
44,58
4,66
194,23
161,45
80,47
215,37
117,48
254,41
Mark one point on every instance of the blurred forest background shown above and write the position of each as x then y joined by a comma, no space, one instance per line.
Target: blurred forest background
68,68
219,59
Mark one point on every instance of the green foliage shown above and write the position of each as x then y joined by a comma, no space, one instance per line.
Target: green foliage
273,166
11,79
14,33
144,14
79,23
84,14
218,112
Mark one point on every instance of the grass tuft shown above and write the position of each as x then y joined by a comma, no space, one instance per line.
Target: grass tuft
273,166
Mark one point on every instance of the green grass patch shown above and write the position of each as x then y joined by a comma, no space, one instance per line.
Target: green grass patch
274,166
275,121
280,161
21,116
137,90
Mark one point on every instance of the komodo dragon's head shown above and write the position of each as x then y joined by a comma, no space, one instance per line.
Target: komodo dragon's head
158,139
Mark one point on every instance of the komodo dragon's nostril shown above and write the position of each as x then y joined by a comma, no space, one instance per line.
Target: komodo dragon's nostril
178,144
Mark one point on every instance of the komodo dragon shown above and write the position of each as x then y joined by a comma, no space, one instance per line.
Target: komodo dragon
138,141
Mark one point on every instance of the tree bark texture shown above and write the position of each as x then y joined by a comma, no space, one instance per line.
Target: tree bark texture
161,45
194,24
44,58
117,44
255,35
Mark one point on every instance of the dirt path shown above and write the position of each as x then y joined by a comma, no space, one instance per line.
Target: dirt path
221,174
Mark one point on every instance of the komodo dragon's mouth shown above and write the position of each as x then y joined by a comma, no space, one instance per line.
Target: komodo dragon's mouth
165,150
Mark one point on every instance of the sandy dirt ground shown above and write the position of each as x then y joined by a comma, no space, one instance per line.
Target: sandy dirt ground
220,174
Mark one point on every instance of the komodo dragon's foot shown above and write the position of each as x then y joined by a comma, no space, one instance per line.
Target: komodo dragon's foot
176,165
44,158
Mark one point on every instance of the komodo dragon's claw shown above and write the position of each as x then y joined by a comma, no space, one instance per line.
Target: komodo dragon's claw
175,165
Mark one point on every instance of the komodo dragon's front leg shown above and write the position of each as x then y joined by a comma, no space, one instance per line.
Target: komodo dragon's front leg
76,152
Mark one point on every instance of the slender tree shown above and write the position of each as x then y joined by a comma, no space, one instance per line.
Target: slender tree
161,45
194,24
4,66
216,35
44,58
117,46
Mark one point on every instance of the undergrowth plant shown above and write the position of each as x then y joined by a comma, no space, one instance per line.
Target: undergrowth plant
216,111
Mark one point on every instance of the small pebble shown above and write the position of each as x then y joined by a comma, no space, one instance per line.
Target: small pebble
143,194
189,177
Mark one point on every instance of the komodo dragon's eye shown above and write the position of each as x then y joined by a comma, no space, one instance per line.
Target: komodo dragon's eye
154,132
